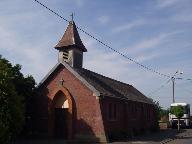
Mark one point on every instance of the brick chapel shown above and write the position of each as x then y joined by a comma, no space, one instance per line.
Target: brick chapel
74,103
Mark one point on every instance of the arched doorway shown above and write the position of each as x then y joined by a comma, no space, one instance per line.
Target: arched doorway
61,115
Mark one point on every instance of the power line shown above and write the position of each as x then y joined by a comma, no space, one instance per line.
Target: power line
186,79
106,45
162,86
185,87
186,90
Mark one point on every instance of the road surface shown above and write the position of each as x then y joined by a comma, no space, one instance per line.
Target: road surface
168,136
183,138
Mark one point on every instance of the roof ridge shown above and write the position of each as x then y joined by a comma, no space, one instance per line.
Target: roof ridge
109,78
111,87
100,84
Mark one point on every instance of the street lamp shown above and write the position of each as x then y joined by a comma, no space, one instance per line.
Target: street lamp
173,82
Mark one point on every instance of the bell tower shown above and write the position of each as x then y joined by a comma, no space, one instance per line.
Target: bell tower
70,47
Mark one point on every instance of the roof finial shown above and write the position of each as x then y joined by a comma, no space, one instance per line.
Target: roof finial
72,16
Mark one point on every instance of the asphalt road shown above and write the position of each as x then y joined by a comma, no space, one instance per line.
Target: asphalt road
168,136
183,138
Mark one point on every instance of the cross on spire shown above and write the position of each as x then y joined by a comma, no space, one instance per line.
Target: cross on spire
72,15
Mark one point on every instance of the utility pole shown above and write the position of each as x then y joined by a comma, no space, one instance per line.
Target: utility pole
173,82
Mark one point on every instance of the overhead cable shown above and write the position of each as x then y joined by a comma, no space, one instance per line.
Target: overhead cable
162,86
106,45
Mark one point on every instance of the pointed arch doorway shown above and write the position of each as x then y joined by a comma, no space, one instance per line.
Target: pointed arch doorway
62,115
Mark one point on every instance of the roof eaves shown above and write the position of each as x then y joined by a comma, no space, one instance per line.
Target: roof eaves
48,74
126,98
95,91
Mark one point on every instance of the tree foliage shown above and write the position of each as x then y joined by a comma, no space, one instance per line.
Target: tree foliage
178,111
160,111
157,108
15,90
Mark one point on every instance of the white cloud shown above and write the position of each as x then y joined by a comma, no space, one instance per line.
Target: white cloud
166,3
103,19
32,58
27,38
79,3
144,57
88,42
5,37
183,17
150,43
17,48
99,60
129,25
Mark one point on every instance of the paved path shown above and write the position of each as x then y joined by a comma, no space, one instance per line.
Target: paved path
169,136
183,138
41,142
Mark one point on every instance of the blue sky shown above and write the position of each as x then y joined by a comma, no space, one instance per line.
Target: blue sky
156,33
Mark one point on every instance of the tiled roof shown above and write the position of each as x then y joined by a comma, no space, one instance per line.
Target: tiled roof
110,87
101,85
71,38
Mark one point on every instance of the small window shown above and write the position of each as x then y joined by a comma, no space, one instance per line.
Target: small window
112,112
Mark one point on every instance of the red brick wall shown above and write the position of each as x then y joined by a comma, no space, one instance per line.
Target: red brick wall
86,109
90,115
117,124
132,117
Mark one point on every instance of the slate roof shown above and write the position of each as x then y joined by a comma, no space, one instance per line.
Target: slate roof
101,85
113,88
72,70
71,38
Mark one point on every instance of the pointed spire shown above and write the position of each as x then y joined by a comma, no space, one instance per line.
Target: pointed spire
72,16
71,38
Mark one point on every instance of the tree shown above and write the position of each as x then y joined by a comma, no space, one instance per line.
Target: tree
15,89
178,111
163,114
157,112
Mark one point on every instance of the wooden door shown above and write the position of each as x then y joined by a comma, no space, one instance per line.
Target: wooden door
61,130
